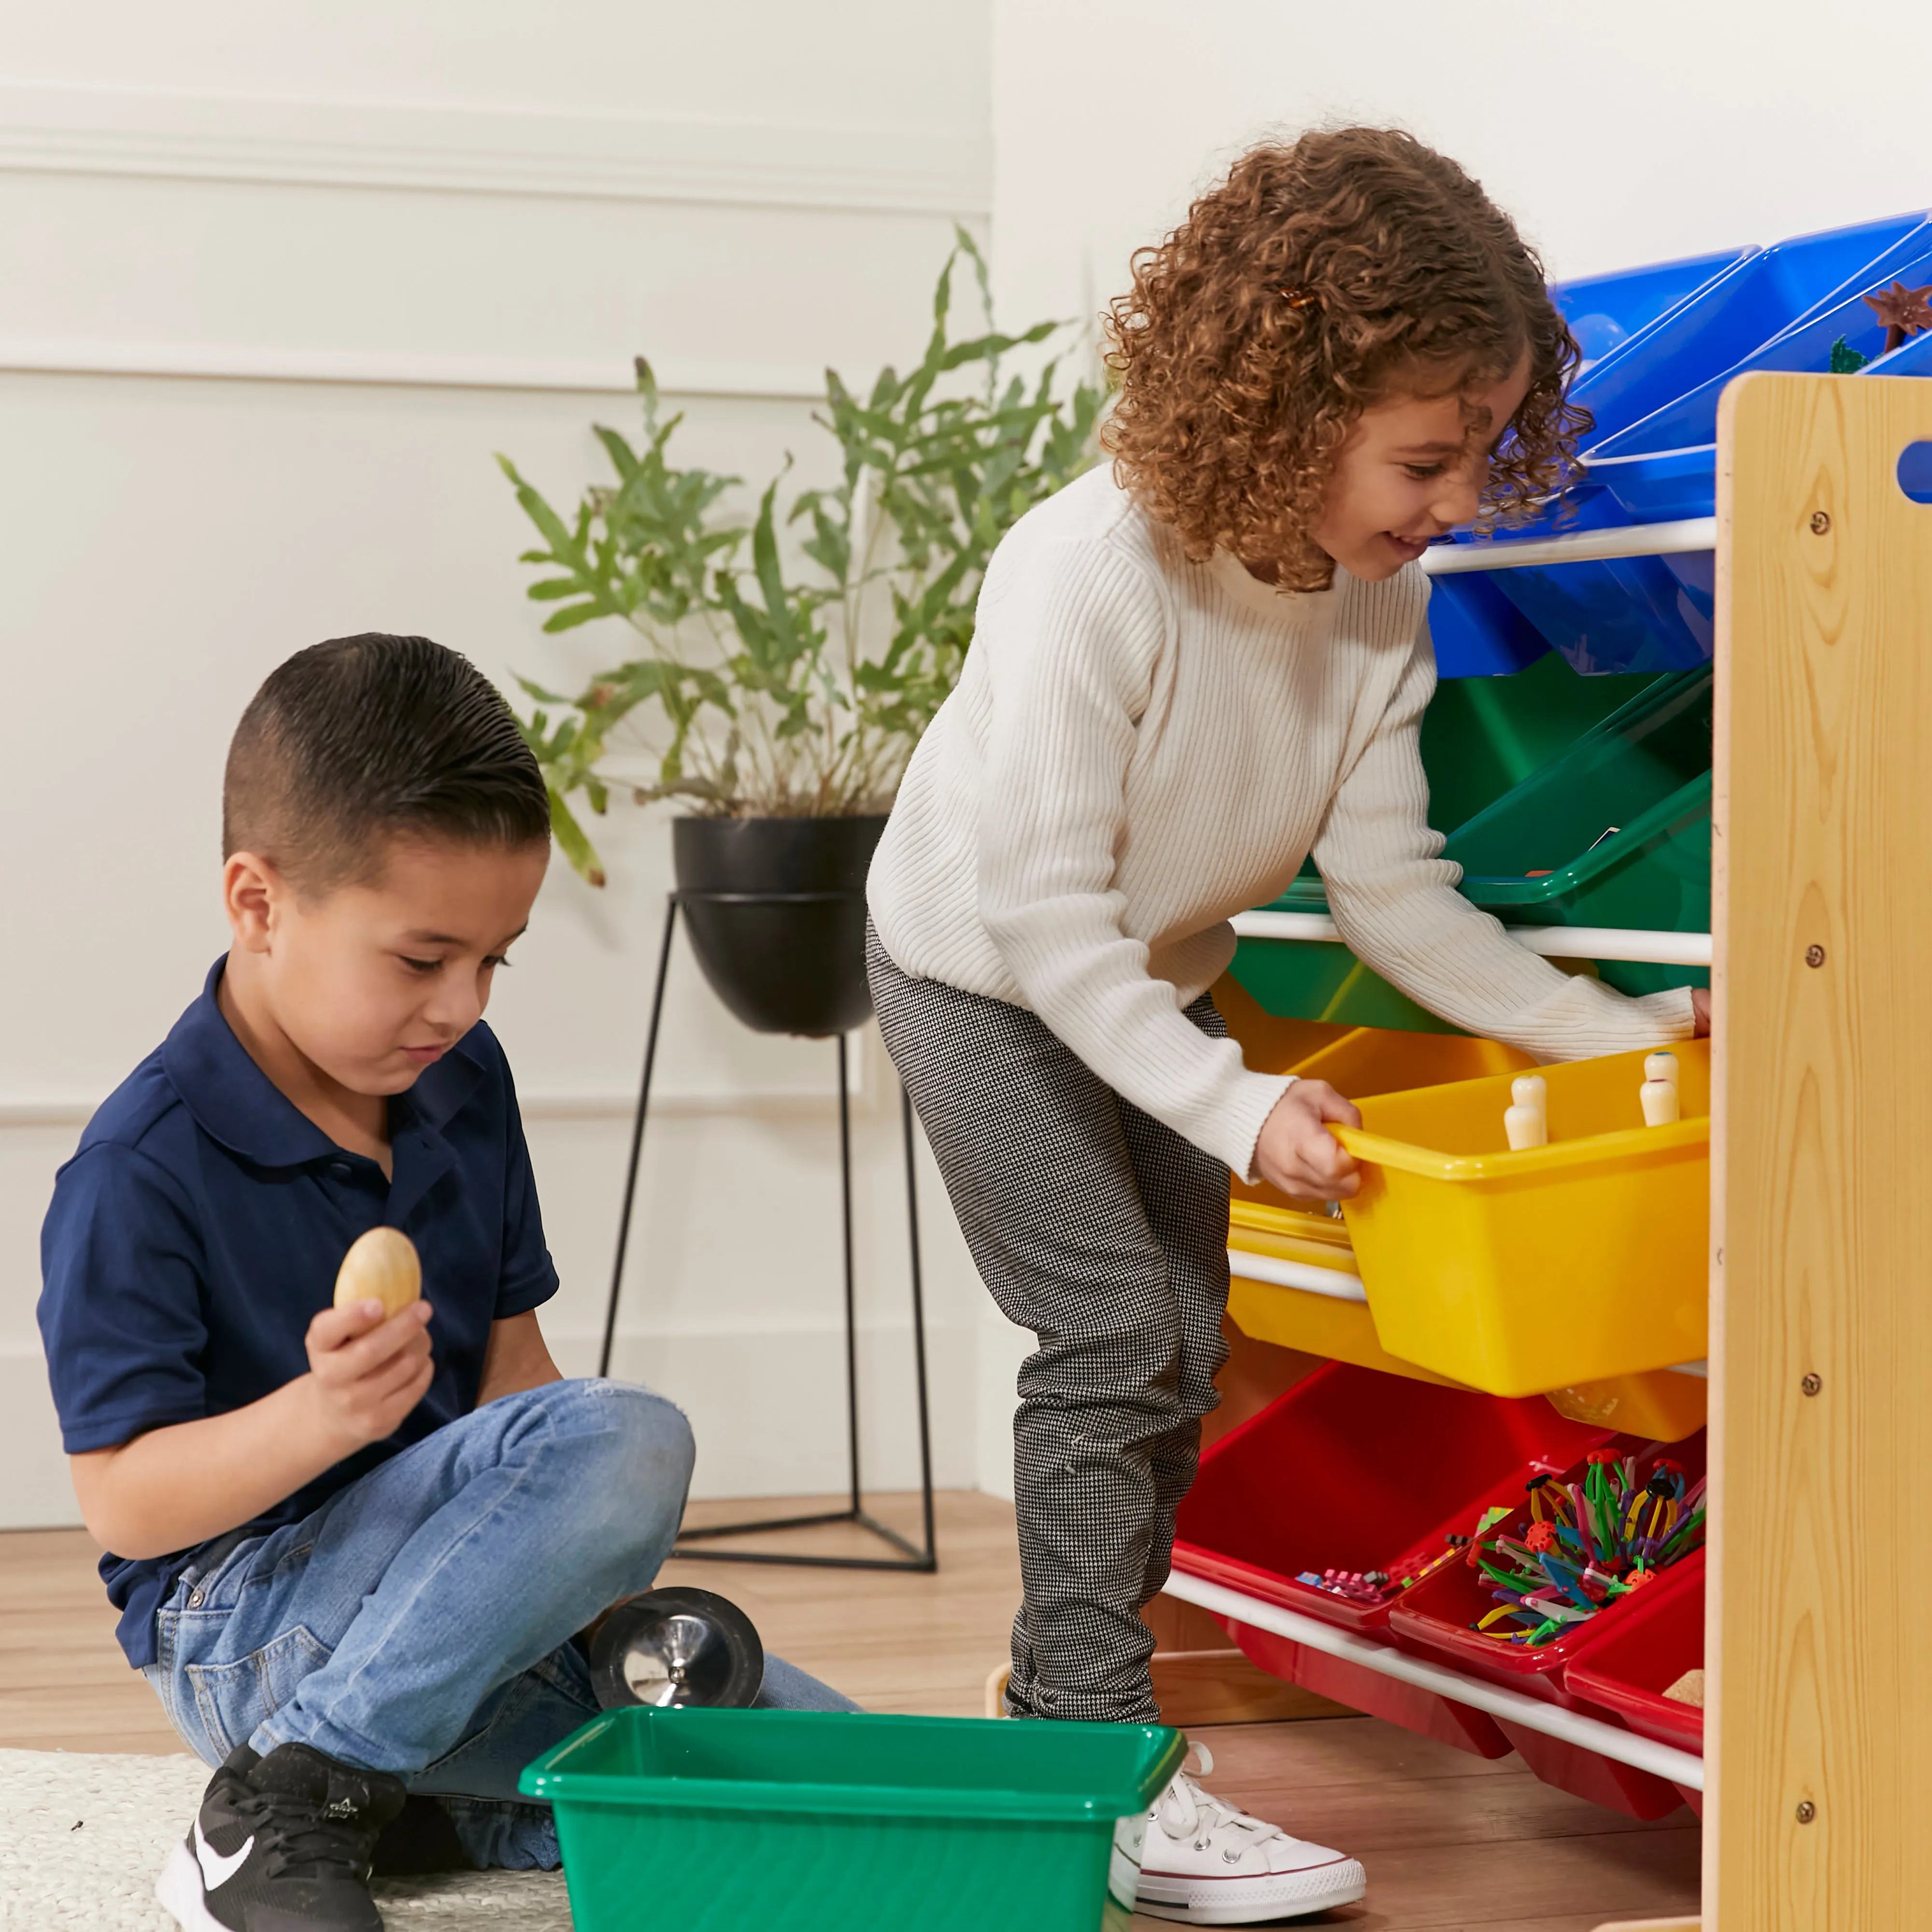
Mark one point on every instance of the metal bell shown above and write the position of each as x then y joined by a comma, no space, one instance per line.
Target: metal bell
676,1647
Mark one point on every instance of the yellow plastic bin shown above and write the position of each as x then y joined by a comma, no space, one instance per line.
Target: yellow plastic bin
1292,1282
1377,1060
1279,1249
1662,1406
1521,1272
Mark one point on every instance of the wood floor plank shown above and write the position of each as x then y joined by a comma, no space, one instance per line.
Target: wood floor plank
1439,1888
1351,1750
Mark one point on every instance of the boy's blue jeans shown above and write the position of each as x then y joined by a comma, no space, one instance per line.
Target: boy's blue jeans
419,1621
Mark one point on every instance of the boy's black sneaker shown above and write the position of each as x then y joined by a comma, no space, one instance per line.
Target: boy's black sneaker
419,1842
281,1843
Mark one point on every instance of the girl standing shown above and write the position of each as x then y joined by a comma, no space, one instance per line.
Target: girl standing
1191,670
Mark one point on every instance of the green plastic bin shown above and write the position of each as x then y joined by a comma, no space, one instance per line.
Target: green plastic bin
1482,736
790,1821
1314,979
1615,830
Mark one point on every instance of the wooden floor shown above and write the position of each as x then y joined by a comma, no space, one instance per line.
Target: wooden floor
1450,1841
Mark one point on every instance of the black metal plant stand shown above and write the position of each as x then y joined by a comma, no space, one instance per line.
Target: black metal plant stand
912,1557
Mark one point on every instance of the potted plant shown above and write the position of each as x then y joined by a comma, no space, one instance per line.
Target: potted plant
791,659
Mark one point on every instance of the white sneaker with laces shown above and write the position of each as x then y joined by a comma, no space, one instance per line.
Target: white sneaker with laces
1208,1862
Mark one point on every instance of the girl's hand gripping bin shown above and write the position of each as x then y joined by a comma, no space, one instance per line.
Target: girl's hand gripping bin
1520,1273
718,1821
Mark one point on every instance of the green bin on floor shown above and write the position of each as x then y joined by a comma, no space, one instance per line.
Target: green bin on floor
792,1821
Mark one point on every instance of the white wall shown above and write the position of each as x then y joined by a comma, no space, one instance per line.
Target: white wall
280,278
1616,135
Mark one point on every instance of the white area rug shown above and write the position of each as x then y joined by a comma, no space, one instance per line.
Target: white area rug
83,1835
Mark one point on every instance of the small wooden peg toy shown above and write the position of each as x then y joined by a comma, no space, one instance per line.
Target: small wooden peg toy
1661,1066
1659,1102
1527,1122
381,1266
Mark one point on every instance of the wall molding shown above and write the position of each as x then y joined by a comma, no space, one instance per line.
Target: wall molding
493,151
247,362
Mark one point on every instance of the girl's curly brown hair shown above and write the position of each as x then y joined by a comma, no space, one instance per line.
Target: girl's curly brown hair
1322,274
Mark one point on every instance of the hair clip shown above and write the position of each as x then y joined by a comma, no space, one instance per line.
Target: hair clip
1300,295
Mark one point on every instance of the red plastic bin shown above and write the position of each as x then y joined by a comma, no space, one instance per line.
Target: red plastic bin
1435,1619
1355,1469
1654,1642
1408,1705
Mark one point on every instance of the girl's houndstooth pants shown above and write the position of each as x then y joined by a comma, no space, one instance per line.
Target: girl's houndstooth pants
1105,1233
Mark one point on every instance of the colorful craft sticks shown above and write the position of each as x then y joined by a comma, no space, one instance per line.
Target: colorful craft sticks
1583,1545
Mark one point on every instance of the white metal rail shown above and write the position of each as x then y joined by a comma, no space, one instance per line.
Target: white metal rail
1550,942
1672,539
1304,1275
1609,1740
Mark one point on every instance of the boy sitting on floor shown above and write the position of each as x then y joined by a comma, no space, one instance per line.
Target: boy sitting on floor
351,1552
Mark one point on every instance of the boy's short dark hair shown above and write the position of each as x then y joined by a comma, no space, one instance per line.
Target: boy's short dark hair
354,741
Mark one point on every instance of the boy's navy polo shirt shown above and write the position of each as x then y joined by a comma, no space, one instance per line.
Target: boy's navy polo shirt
198,1229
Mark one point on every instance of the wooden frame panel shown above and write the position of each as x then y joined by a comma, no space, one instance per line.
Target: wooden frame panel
1821,1221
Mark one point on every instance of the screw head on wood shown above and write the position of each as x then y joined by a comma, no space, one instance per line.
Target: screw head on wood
1814,955
1807,1811
1821,522
1811,1384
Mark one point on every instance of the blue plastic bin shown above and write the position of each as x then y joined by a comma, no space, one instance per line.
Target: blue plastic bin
1666,466
1605,311
1626,614
1733,314
1647,613
1908,358
1478,632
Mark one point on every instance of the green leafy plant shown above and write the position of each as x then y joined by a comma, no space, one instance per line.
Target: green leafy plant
793,658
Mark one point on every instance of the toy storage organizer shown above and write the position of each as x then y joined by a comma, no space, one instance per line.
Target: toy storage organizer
1761,565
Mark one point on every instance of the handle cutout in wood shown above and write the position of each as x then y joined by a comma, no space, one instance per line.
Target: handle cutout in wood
1915,472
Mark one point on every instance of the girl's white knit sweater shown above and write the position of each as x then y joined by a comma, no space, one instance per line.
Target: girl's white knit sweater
1139,747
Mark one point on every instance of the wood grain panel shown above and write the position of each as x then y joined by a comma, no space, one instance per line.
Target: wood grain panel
1822,1704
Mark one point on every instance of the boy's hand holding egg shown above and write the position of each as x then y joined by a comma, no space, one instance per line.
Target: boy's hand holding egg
1296,1152
369,1355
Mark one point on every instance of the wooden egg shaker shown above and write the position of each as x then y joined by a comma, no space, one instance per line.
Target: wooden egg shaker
381,1266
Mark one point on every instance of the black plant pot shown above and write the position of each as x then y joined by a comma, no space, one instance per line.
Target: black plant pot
775,909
